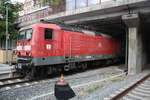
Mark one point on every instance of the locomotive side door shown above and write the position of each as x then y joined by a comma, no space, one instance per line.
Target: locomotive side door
48,37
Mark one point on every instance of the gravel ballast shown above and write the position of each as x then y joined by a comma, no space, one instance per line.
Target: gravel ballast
47,86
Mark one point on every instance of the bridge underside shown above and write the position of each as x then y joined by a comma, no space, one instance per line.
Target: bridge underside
134,32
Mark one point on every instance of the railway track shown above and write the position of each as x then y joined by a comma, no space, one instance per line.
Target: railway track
19,81
6,79
11,82
137,91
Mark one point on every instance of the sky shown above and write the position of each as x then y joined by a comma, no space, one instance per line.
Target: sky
21,1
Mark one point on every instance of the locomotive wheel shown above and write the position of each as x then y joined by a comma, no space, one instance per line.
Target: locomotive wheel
66,68
43,73
30,73
83,66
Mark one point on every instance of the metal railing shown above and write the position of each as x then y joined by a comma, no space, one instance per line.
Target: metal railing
11,44
75,4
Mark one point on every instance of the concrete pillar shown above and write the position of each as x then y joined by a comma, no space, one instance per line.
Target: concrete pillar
134,43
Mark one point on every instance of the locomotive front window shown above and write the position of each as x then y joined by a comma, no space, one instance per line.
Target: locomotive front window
25,35
48,34
28,34
21,35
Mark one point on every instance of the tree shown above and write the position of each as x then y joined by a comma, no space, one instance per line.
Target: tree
12,16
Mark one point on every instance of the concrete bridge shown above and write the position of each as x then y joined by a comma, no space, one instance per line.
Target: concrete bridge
128,19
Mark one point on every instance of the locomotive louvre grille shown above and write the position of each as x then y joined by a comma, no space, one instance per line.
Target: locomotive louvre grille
99,44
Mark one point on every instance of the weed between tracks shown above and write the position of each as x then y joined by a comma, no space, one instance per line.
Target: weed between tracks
117,79
96,87
93,89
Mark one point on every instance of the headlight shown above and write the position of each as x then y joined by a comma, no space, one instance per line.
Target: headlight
28,47
19,47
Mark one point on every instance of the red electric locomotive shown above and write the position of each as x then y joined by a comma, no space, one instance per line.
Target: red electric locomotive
49,47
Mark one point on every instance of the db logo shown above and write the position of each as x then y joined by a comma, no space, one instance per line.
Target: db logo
99,44
48,47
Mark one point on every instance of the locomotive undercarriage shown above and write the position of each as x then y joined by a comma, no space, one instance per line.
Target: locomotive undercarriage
37,72
30,71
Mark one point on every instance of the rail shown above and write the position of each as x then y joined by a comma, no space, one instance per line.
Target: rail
129,89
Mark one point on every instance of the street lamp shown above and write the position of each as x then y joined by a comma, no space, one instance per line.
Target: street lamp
6,42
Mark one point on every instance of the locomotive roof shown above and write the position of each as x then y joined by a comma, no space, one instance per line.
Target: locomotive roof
67,28
53,26
24,28
84,31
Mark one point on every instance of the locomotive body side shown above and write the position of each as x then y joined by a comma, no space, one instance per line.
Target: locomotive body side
74,46
83,47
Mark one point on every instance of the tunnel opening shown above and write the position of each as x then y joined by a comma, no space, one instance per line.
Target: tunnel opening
145,30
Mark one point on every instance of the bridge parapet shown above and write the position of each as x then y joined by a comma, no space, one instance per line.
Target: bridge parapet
69,9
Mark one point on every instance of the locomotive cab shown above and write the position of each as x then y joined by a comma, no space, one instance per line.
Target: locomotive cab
34,44
24,42
24,48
